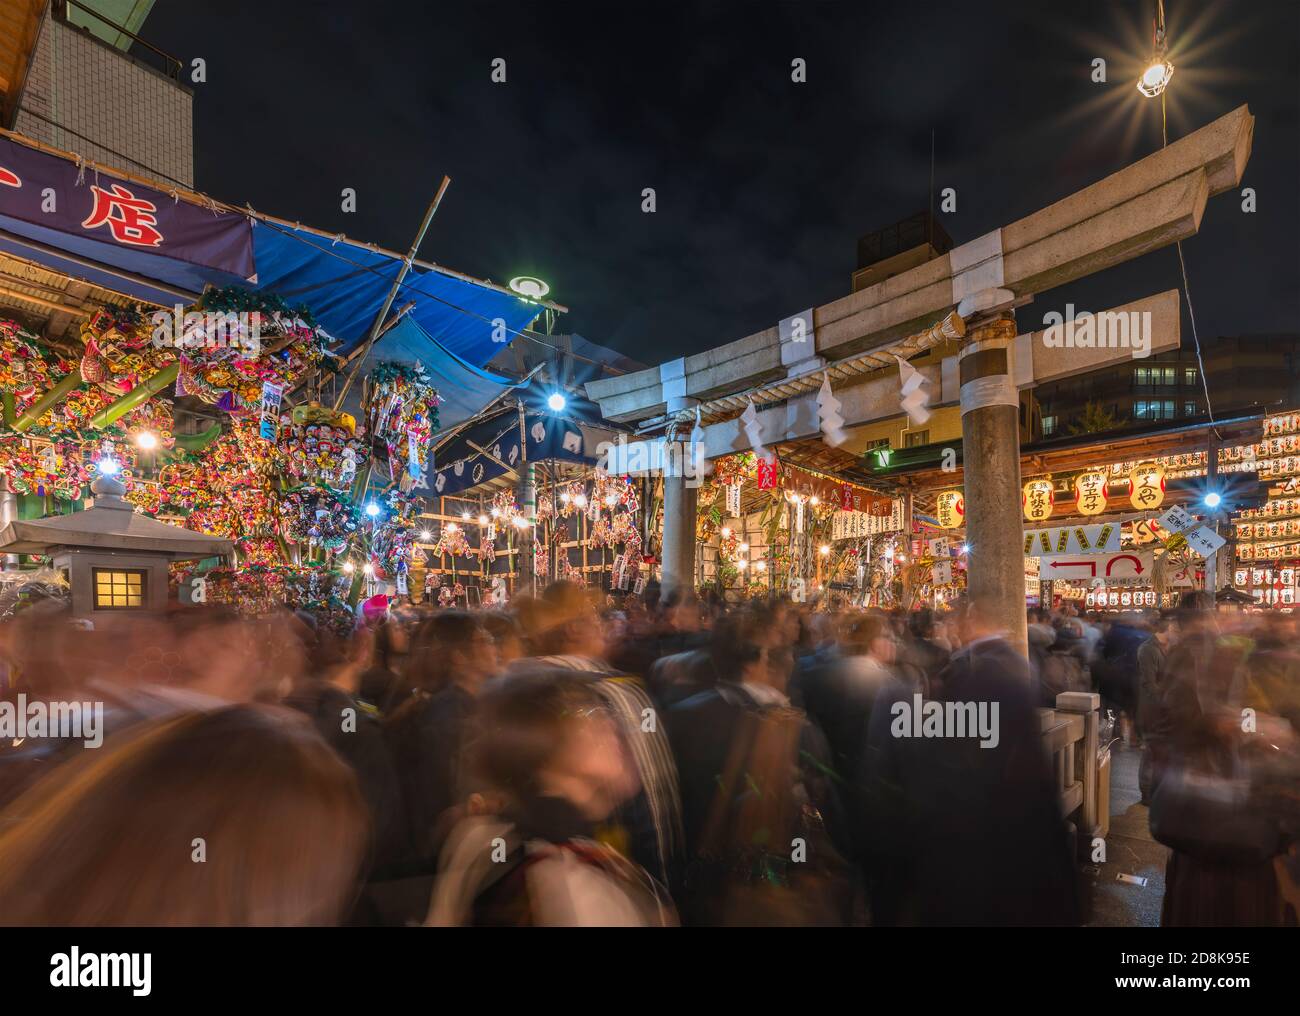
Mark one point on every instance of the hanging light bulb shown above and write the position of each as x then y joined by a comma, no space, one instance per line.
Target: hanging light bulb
580,500
349,567
1155,79
744,548
452,527
824,549
369,568
742,564
465,516
483,519
425,535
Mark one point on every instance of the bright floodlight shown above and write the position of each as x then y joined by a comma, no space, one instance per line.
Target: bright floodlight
532,288
146,439
372,509
108,466
1155,79
1213,499
556,401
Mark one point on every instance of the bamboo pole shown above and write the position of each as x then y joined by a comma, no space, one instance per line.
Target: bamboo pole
377,327
137,395
48,401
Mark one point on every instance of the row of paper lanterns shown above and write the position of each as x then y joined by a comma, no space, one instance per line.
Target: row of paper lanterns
1091,495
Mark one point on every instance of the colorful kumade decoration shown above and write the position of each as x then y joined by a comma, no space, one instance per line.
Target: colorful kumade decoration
320,446
234,341
402,411
318,516
57,468
120,351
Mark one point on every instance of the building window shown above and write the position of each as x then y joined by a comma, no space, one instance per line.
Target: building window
1189,375
916,438
1049,425
1142,375
1170,375
119,590
1189,408
1153,409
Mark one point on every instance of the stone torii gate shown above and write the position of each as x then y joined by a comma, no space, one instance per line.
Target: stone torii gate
971,293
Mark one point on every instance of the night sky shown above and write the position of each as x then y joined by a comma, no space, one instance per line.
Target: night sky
763,185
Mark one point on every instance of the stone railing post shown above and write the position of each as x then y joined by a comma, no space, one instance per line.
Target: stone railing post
1088,704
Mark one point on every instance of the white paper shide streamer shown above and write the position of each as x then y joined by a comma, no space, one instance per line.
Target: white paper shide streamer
913,397
828,412
753,429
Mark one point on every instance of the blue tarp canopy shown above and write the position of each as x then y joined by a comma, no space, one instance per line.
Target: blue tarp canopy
466,390
344,284
150,243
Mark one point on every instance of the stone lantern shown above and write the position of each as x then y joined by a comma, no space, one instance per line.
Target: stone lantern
114,559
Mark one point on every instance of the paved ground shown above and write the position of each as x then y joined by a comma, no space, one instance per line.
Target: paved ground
1130,850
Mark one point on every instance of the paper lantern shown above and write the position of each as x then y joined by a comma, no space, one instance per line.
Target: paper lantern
1147,486
951,509
1090,492
1037,500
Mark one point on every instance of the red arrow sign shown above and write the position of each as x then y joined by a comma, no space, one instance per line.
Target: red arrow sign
1137,563
1079,564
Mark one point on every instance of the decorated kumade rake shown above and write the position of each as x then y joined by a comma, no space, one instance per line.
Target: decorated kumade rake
401,409
319,517
321,446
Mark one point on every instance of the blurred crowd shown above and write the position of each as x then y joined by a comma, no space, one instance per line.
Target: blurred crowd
578,759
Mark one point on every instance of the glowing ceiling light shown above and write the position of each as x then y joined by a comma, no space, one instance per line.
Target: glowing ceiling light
529,286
